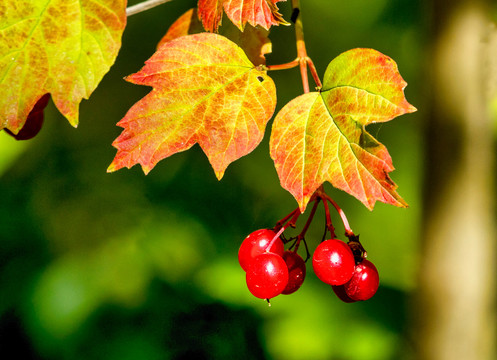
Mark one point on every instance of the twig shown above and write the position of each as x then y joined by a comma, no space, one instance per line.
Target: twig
146,5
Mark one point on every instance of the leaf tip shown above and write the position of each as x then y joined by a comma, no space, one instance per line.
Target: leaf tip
146,168
219,175
411,109
395,201
112,167
73,120
303,203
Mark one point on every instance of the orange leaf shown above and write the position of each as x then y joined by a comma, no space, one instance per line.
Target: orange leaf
321,136
254,41
240,12
255,12
59,47
211,13
205,91
186,24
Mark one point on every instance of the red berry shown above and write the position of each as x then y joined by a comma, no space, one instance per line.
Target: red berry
34,121
341,294
364,282
267,275
296,271
255,244
333,262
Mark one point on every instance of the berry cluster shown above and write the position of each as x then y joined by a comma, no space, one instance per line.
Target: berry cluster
271,270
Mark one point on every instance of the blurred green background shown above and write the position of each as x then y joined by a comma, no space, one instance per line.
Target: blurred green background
127,266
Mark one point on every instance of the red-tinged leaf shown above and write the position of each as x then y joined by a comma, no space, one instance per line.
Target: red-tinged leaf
211,13
34,121
367,85
255,12
205,91
59,47
321,136
254,41
187,24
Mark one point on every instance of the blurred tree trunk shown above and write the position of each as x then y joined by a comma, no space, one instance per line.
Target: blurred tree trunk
455,314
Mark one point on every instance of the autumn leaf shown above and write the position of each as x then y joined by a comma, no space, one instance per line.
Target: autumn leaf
59,47
254,41
211,13
255,12
34,121
186,24
205,91
321,136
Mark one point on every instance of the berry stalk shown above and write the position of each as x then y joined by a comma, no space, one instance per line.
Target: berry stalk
294,215
348,231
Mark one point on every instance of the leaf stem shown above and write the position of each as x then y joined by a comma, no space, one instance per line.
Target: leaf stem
302,57
285,66
301,50
314,73
143,6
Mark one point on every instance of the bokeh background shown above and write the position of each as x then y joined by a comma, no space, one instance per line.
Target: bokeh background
127,266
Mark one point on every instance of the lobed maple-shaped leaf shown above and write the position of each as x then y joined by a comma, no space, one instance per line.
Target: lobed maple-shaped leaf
321,136
255,12
34,121
254,41
55,46
205,91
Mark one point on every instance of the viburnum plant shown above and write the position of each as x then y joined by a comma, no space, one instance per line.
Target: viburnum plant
210,85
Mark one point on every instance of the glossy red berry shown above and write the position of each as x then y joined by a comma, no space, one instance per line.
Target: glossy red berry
34,121
267,275
255,244
364,283
333,262
296,271
339,291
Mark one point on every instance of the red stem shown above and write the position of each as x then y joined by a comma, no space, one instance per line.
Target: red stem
329,224
348,231
289,65
307,224
314,73
295,215
280,223
302,59
309,220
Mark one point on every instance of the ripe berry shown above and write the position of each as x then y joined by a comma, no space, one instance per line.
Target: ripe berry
267,275
296,271
34,121
341,294
255,244
333,262
364,282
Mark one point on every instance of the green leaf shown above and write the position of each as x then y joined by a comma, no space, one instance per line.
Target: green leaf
59,47
205,91
321,136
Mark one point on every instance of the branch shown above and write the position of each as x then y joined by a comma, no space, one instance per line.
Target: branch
146,5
